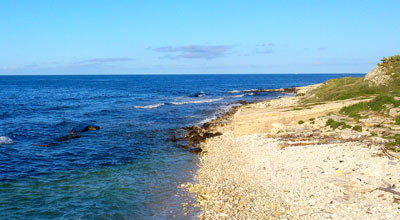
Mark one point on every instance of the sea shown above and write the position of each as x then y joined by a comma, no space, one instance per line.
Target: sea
129,168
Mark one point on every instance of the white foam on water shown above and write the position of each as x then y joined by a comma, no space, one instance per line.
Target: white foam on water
237,96
149,106
197,101
219,113
249,90
200,94
5,140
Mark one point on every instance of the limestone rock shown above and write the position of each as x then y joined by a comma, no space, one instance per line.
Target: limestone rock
394,112
377,76
349,134
5,140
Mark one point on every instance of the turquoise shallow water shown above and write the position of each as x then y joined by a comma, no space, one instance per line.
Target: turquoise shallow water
126,170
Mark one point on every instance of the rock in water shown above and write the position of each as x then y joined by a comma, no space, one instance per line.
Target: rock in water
71,136
5,140
175,139
199,94
377,76
196,150
84,127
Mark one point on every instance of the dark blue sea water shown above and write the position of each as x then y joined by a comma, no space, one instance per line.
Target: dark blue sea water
126,170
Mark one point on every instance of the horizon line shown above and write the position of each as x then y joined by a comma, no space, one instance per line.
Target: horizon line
149,74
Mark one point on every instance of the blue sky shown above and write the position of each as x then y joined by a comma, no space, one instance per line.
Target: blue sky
166,37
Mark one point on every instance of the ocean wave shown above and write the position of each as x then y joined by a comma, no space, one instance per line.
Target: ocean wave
177,103
221,111
245,90
249,90
234,91
196,102
5,140
237,96
149,106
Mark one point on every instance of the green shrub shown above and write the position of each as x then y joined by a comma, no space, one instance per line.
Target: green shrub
354,110
395,144
377,104
340,89
301,122
337,124
357,128
397,120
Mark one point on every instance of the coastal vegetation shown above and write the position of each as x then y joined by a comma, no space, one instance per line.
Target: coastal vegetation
383,94
379,104
392,64
341,89
381,89
357,128
353,87
393,145
397,120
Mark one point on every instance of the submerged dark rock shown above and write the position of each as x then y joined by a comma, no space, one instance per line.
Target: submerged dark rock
175,139
199,94
83,128
196,135
67,137
73,134
196,150
183,146
45,145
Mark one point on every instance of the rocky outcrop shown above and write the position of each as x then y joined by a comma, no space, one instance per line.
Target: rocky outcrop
197,95
196,135
378,76
73,134
68,137
83,128
5,140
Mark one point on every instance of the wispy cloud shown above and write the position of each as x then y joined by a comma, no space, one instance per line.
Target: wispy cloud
108,60
194,51
97,65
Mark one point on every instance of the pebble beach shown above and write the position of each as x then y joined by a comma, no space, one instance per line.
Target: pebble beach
293,170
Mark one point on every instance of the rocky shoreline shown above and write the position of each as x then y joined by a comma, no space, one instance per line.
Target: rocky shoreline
274,160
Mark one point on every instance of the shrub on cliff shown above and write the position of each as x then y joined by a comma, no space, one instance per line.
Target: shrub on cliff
382,80
340,89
